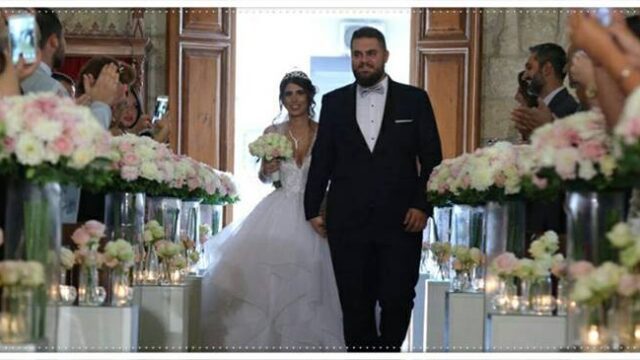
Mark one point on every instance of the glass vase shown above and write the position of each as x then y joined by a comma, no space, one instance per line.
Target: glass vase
442,223
462,281
151,273
68,293
166,211
121,290
16,319
504,293
524,296
563,301
33,228
90,293
542,300
590,215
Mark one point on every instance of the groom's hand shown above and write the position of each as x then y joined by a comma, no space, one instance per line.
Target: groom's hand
318,225
415,220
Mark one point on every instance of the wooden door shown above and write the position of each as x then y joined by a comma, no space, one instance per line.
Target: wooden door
201,84
445,61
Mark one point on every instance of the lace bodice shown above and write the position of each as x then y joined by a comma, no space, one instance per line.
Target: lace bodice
294,178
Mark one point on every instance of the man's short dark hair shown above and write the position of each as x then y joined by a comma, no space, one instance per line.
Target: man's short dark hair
49,24
552,53
633,23
63,77
369,32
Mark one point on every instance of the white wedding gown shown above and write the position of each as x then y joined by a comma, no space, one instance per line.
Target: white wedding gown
271,285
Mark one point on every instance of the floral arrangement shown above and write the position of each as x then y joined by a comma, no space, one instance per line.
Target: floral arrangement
67,258
48,138
118,254
577,151
141,164
272,146
596,285
153,232
440,251
88,235
204,232
544,262
28,274
493,173
166,249
465,259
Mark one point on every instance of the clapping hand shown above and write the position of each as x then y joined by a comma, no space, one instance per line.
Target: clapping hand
528,119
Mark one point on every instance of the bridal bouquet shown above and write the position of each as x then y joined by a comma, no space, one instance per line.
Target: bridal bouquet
272,146
47,138
576,150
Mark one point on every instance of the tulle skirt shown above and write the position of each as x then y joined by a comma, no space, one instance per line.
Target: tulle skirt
270,285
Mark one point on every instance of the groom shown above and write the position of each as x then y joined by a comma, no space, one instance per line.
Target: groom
376,145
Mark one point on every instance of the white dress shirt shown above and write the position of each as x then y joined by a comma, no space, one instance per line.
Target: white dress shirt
370,102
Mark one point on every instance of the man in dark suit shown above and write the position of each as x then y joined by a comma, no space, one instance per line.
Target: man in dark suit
545,69
377,144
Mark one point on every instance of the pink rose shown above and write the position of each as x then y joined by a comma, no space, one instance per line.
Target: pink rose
130,159
129,173
457,265
193,183
9,144
63,146
580,269
81,236
559,269
506,262
125,147
628,285
592,149
95,228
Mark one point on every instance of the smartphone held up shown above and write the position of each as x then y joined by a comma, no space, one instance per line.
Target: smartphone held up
23,37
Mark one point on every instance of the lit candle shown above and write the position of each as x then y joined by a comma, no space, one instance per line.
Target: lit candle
491,285
151,276
176,277
515,303
593,335
121,293
636,332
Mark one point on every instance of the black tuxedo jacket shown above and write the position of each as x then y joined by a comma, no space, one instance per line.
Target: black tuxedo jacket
563,104
372,189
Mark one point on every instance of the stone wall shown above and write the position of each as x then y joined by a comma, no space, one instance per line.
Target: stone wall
507,36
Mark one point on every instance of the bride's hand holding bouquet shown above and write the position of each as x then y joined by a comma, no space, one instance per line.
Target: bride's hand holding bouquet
272,148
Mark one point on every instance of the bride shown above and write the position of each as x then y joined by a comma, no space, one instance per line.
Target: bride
271,284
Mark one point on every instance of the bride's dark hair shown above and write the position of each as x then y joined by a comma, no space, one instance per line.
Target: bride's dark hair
301,79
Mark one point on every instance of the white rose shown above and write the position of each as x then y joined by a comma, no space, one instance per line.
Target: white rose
67,258
29,150
620,235
47,130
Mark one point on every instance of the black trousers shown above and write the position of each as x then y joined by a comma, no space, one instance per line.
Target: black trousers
375,267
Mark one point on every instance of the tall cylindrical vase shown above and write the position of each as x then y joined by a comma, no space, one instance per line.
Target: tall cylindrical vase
210,216
467,229
124,219
190,227
504,232
442,222
590,215
165,210
33,228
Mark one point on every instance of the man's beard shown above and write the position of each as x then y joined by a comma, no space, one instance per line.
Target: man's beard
369,80
536,84
58,58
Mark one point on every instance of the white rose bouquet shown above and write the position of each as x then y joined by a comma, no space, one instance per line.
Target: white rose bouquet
272,146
